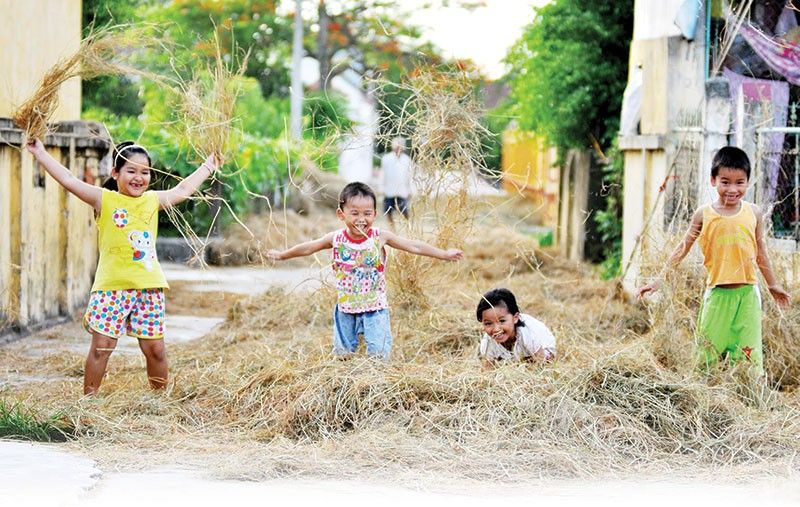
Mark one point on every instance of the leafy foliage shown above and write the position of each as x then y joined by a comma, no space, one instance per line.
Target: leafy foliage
250,24
118,94
570,71
609,220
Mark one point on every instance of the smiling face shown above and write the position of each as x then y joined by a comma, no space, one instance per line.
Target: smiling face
358,215
731,185
499,324
133,177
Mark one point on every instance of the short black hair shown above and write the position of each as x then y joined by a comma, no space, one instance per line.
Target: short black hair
356,189
498,297
732,158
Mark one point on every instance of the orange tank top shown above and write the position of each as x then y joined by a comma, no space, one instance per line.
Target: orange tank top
729,246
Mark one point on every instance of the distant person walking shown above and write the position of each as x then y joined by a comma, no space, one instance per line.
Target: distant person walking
396,169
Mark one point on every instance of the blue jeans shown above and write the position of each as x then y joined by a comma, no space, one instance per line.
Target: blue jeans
373,326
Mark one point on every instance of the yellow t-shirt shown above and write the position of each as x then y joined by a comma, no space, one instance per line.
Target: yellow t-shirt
127,228
729,246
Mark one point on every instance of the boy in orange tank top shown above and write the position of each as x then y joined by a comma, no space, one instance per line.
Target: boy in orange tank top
731,235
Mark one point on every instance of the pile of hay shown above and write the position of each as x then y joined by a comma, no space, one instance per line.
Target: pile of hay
279,229
262,396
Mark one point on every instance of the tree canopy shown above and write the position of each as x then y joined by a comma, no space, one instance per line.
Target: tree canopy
570,69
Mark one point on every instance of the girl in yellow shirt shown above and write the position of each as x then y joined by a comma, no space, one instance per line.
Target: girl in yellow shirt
128,292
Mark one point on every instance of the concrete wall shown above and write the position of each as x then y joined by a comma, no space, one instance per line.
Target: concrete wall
48,240
673,91
34,36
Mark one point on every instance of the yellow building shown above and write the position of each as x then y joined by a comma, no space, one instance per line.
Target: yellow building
48,239
529,167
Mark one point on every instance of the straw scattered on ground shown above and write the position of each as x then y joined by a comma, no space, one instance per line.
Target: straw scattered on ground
262,396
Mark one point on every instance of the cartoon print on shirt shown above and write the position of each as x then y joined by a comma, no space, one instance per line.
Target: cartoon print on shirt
143,248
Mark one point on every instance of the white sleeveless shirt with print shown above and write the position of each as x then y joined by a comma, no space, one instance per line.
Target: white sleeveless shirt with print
359,269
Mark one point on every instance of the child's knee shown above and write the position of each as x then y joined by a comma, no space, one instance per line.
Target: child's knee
101,347
155,351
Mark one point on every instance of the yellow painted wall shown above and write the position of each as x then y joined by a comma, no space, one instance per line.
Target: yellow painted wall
48,240
529,167
10,236
80,237
47,237
34,35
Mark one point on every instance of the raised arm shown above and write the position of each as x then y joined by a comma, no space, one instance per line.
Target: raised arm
87,193
303,249
762,259
188,185
418,247
678,254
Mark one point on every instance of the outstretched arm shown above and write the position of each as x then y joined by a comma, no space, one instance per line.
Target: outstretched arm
762,259
303,249
87,193
418,247
190,184
678,254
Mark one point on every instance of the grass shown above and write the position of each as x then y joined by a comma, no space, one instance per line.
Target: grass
18,422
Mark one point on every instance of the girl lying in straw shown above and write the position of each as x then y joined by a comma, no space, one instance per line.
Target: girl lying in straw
128,292
359,260
509,334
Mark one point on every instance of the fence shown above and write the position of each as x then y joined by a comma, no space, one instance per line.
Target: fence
48,242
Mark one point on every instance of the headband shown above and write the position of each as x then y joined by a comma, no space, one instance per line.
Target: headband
118,151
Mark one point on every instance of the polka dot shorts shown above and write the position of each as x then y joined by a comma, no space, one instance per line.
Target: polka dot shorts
135,312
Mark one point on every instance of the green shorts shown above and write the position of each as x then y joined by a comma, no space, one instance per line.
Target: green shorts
730,325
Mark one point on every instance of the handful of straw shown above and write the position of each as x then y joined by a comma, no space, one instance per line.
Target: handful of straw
100,53
208,106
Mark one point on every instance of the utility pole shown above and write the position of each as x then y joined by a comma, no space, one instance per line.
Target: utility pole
296,112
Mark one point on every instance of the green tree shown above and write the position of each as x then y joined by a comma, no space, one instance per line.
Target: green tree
252,25
570,71
117,94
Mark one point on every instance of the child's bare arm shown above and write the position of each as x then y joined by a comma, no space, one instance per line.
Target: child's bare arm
418,247
87,193
188,185
762,259
303,249
679,253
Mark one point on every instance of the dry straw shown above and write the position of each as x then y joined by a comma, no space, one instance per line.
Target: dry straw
104,52
612,403
262,397
208,102
441,120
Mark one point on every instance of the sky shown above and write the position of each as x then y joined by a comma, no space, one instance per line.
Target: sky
483,35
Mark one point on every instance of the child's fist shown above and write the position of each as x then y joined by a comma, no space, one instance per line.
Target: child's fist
275,255
454,254
647,289
780,295
212,163
34,146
